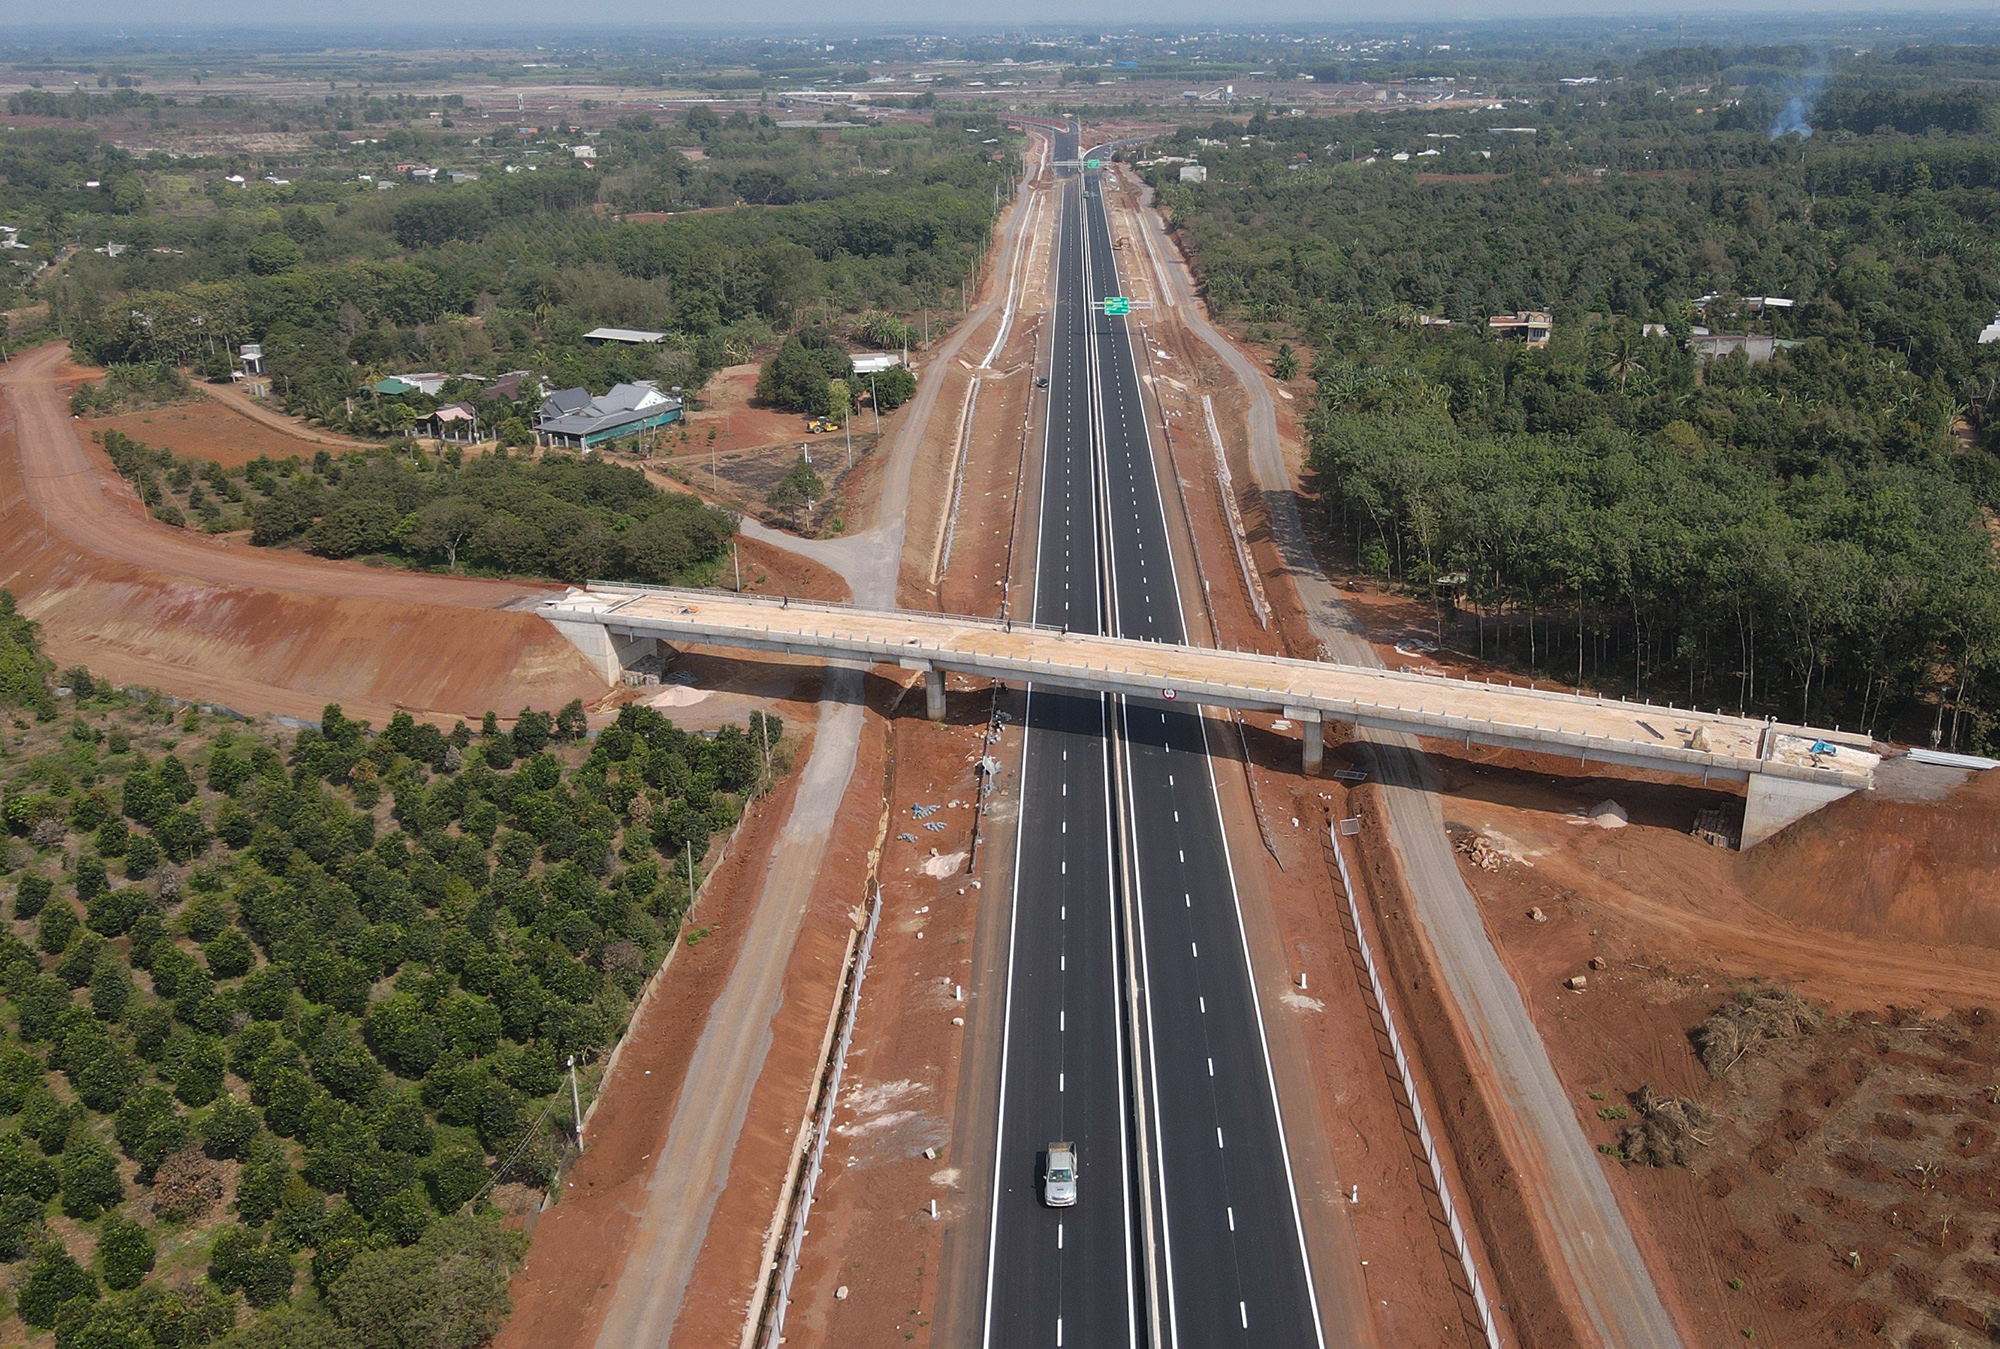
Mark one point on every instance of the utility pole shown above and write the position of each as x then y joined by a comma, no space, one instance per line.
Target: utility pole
575,1103
690,857
875,399
737,559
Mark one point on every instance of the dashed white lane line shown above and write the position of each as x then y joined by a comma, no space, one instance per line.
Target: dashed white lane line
1218,1135
1231,1211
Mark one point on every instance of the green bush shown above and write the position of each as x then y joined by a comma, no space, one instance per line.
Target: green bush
52,1281
20,1219
31,894
448,1291
124,1252
90,1181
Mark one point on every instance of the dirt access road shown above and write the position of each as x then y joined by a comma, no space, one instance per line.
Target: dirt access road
694,1162
74,494
257,630
1592,1239
237,399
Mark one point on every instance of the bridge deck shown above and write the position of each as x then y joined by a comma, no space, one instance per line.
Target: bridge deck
1710,744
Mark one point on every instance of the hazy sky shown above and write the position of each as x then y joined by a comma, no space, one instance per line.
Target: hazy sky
629,14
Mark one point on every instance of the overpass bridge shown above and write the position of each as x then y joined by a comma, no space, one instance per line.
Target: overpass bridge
1790,771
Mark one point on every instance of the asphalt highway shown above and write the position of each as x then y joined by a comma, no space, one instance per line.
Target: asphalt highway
1120,823
1069,1276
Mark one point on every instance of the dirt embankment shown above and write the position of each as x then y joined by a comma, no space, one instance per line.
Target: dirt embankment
1876,866
1843,1190
253,629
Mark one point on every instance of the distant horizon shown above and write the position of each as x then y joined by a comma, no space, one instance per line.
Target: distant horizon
147,21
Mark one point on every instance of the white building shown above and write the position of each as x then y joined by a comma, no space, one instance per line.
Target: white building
1194,173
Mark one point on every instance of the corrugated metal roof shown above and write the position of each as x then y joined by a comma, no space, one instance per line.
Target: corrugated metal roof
622,335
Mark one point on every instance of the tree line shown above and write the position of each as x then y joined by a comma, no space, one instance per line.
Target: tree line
1807,537
566,516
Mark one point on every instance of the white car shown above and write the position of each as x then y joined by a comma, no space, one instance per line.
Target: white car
1059,1176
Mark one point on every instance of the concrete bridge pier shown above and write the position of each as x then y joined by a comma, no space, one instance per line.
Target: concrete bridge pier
1314,729
933,687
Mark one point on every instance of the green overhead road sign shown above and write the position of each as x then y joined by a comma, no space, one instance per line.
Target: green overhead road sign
1093,163
1117,304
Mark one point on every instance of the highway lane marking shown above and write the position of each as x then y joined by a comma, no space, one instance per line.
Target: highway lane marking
1196,949
1211,1067
1062,1083
1243,1311
1231,1211
1218,1135
1204,1005
1059,1236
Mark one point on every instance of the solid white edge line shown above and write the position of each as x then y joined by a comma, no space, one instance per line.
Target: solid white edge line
1235,895
1264,1046
1153,1058
1014,905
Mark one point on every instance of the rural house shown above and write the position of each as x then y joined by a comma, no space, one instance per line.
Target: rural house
572,419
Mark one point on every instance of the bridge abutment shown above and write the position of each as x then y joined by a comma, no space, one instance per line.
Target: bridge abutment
1773,803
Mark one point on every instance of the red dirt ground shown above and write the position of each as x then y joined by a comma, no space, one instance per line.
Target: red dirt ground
1817,1145
736,422
206,431
733,1251
871,1230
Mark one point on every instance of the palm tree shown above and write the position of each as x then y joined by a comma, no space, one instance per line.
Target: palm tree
1625,361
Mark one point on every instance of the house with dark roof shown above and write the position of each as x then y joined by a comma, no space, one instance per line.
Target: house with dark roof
506,388
572,419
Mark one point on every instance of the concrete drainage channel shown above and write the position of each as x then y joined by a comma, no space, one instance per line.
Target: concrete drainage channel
774,1291
1416,1105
